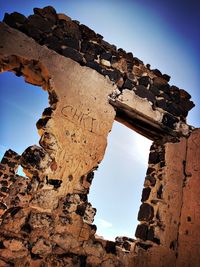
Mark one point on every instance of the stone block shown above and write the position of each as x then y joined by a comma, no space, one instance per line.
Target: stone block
146,212
72,53
142,231
145,193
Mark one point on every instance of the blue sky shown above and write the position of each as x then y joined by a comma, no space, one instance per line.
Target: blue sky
162,33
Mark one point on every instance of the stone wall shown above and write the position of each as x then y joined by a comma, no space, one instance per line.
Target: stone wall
167,106
45,217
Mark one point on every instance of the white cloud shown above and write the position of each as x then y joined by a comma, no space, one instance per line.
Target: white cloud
104,229
142,147
18,108
104,224
130,143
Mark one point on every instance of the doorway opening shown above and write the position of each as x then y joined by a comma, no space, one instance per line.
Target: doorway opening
117,187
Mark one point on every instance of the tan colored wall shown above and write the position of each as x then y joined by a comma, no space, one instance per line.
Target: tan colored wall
82,118
189,233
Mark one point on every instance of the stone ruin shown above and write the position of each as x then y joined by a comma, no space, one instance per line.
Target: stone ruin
45,217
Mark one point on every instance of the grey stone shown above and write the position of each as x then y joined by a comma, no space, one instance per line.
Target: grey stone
143,92
141,231
73,54
169,120
146,212
14,19
144,80
145,193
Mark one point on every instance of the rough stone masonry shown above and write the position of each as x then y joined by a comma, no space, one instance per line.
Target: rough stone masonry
45,217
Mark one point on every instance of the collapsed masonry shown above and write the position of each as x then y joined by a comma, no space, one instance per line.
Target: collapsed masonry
45,217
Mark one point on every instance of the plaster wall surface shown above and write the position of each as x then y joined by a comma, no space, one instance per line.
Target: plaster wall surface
82,118
189,236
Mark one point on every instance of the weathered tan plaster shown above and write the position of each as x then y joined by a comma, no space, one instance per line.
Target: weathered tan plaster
83,117
139,105
137,108
189,234
170,207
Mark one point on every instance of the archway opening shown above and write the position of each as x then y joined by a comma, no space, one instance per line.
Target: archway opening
21,105
117,186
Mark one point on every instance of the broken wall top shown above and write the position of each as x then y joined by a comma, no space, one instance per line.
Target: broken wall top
143,98
45,218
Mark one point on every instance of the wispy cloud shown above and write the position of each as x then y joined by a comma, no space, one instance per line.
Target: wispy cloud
142,147
104,229
19,108
104,224
132,145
